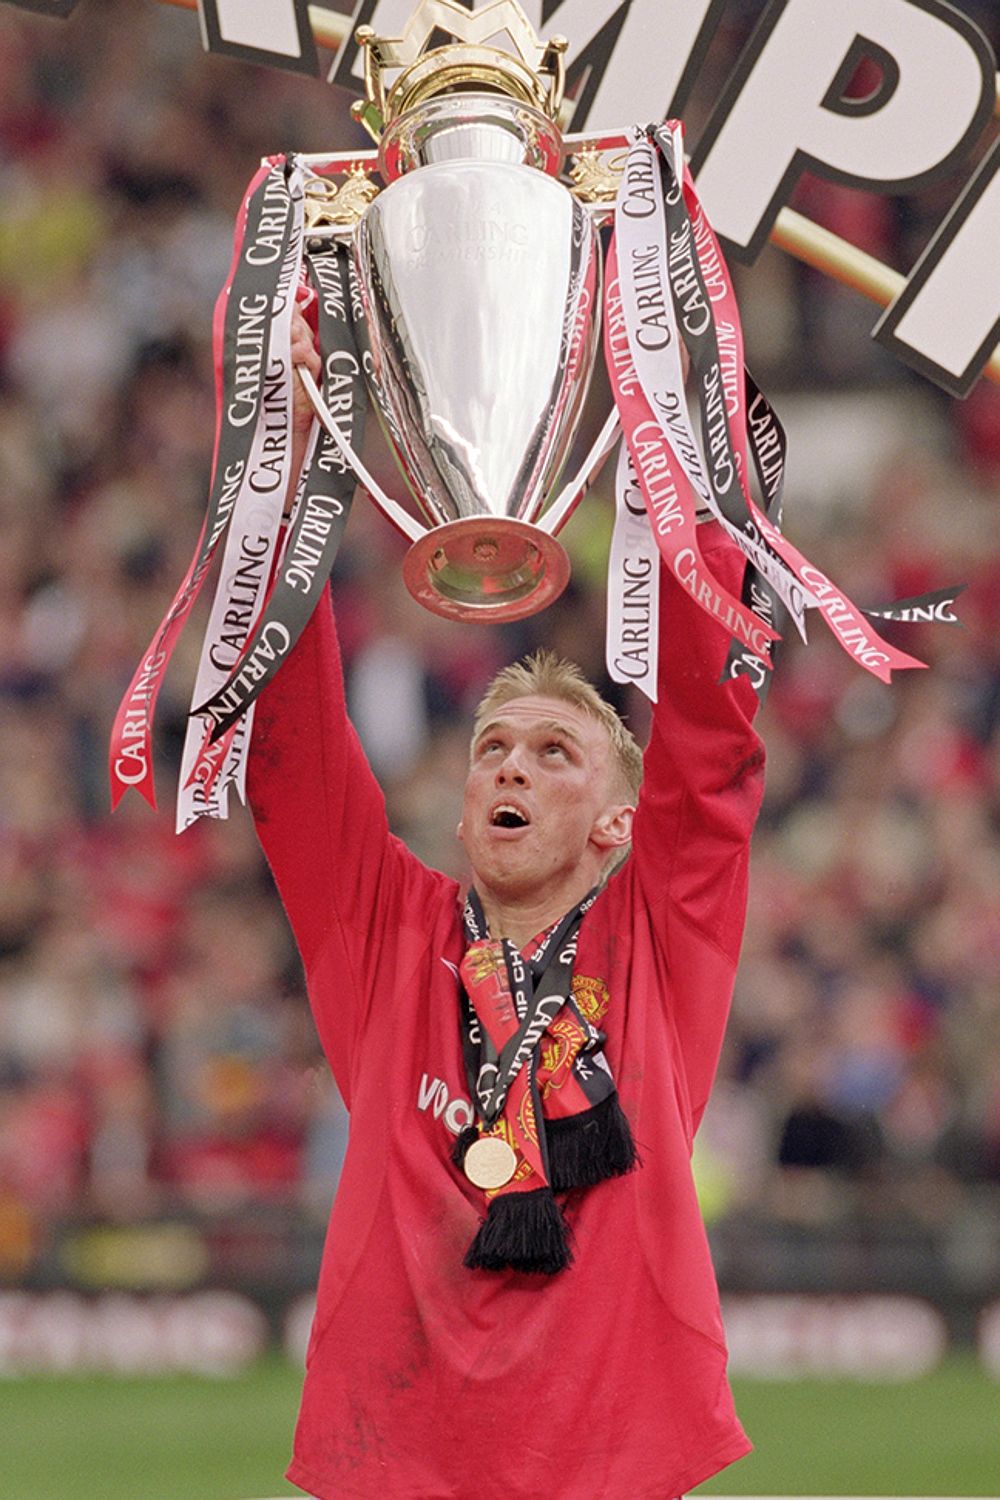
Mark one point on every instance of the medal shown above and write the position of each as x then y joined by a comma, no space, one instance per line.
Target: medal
490,1162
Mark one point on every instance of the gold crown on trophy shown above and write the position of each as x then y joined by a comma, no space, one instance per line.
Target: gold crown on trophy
533,71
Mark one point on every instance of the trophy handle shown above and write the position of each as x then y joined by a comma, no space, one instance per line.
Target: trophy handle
552,521
393,512
571,494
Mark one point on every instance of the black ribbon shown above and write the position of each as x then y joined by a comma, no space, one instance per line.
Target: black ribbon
539,989
766,440
935,608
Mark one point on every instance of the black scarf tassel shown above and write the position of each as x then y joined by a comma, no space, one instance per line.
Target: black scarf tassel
588,1148
521,1232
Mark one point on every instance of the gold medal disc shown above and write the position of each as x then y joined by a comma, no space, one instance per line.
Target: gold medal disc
490,1162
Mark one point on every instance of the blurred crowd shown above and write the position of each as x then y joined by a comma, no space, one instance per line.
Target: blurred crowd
156,1051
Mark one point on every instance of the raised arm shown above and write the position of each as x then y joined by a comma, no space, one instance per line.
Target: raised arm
320,816
320,813
346,882
703,773
702,788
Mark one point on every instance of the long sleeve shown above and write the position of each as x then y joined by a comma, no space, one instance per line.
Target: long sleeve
345,881
702,789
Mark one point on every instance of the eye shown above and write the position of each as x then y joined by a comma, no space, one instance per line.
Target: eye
555,748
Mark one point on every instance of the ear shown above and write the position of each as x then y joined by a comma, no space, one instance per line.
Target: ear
458,831
613,828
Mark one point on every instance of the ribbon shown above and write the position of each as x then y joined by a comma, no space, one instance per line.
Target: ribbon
271,576
321,509
239,334
251,538
633,608
501,1040
936,607
671,501
673,284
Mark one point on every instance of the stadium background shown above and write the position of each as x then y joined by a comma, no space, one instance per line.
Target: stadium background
169,1135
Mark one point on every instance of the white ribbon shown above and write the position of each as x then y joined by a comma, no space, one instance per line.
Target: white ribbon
633,620
655,346
251,540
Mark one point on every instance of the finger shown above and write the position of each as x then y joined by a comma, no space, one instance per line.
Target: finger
307,354
302,334
303,348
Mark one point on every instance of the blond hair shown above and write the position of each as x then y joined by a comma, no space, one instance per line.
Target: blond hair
546,675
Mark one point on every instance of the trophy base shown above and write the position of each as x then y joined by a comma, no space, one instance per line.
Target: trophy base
482,569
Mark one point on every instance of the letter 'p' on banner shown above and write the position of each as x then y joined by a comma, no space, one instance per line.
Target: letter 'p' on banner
786,110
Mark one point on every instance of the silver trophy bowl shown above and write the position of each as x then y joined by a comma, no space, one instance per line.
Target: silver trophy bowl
479,275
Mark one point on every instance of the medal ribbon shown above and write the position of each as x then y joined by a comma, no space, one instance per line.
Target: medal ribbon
526,1039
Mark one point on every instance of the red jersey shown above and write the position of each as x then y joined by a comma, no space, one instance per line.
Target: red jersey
427,1381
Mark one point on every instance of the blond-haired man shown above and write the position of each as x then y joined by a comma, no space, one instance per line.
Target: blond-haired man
516,1300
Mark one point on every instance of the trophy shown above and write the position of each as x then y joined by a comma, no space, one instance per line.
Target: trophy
479,274
464,298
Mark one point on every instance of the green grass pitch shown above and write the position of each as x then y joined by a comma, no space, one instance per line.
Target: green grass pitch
179,1438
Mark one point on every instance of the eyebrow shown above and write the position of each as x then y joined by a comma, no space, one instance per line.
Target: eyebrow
544,726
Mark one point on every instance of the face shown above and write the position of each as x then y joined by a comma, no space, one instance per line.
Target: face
539,813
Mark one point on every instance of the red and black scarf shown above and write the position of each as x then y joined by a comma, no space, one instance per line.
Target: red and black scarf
539,1080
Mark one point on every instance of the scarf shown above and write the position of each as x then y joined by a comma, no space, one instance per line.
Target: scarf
548,1116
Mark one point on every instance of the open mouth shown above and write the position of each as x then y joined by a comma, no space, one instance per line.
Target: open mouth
506,815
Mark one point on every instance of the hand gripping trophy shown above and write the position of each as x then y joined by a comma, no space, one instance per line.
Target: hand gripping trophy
457,279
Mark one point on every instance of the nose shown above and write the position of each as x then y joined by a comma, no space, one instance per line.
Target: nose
512,770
